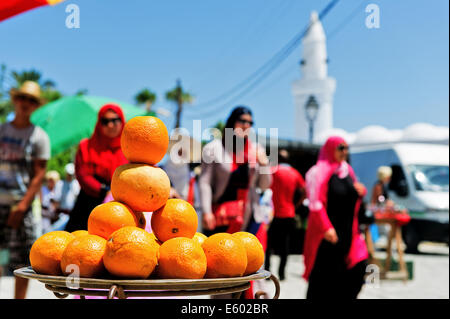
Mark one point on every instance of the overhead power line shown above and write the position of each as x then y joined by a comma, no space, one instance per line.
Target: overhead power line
248,84
347,20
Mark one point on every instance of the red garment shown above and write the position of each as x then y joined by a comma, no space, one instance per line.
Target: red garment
237,207
246,156
318,222
98,157
285,181
191,192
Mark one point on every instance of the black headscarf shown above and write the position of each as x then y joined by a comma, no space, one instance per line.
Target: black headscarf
237,112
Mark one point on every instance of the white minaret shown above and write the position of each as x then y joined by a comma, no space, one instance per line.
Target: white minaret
315,85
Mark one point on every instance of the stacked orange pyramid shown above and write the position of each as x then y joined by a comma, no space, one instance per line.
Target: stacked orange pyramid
116,242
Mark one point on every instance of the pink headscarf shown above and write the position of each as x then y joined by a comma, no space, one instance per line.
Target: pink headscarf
318,176
317,189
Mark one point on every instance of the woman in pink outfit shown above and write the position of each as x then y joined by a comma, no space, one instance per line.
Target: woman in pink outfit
335,254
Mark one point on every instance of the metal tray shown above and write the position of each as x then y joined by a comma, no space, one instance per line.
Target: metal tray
62,286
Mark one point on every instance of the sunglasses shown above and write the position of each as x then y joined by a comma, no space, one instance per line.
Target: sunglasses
245,122
28,99
115,121
342,148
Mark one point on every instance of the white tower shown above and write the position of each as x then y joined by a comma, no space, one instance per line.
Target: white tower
315,85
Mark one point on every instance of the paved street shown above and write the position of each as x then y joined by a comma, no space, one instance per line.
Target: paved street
431,279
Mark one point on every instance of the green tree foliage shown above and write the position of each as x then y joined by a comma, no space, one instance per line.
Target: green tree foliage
82,92
179,97
5,104
147,97
220,126
59,161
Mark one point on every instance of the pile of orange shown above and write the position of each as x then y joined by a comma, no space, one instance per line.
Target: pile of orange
116,242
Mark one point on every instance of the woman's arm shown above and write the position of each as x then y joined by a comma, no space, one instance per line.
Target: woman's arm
318,216
376,192
17,213
264,172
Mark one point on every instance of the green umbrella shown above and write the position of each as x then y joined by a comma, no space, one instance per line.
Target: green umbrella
70,119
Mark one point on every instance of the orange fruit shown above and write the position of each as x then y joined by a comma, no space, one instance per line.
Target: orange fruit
199,238
131,253
144,139
181,258
226,256
177,218
78,233
47,250
255,251
106,218
85,252
142,187
156,239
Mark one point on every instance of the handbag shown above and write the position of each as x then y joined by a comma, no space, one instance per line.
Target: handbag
230,213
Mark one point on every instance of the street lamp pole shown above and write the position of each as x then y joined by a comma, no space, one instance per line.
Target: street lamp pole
311,108
311,131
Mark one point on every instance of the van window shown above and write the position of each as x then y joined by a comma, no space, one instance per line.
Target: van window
431,178
398,182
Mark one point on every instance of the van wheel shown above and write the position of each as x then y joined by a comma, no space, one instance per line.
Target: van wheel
411,239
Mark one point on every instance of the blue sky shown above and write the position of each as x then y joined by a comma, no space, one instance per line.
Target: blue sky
392,76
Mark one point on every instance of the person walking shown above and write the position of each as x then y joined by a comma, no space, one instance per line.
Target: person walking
230,172
286,182
232,169
335,253
95,163
67,192
24,152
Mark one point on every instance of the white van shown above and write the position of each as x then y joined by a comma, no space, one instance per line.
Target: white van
420,182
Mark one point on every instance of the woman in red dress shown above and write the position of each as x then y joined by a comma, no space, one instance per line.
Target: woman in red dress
335,253
95,163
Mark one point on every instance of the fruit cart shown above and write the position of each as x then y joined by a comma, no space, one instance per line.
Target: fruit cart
63,286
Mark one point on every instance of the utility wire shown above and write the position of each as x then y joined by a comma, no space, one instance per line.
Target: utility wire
331,35
256,77
230,49
346,21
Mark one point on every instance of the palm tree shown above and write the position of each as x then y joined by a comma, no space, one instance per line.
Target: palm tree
147,97
49,92
32,75
179,97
